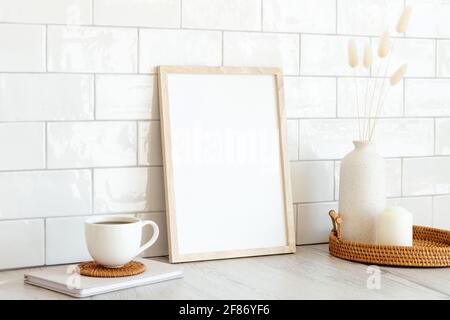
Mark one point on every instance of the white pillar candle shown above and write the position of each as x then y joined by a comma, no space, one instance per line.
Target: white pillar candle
395,227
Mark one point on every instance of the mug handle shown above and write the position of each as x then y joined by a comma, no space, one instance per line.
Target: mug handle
154,237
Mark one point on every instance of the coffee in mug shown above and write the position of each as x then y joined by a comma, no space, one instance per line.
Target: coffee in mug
115,241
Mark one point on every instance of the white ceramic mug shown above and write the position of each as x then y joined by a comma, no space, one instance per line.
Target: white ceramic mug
115,241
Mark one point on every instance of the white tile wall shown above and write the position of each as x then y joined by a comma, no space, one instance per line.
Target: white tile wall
46,96
128,190
149,143
23,146
419,54
443,58
317,16
442,134
441,218
79,118
91,144
420,207
29,194
126,97
347,87
46,11
92,49
430,18
222,14
310,97
143,13
427,97
178,47
314,214
426,176
264,50
312,181
64,240
326,55
23,47
368,17
21,243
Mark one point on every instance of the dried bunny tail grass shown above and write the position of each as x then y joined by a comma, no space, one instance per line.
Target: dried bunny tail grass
352,54
367,62
398,75
403,21
384,45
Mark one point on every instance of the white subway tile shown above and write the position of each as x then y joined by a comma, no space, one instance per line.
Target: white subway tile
419,54
420,207
222,14
21,243
160,248
65,242
262,50
441,214
313,222
326,139
367,99
292,139
143,13
424,176
92,49
427,97
393,178
318,16
178,47
368,17
91,144
126,97
149,145
128,190
312,181
429,18
22,146
405,137
310,97
46,11
45,193
443,58
332,139
36,97
22,48
443,136
327,55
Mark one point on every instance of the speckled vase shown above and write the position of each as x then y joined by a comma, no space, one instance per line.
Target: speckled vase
362,192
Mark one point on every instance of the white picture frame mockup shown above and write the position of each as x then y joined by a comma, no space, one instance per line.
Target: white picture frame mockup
226,169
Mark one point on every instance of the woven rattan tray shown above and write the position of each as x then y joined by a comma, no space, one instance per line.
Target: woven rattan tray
431,248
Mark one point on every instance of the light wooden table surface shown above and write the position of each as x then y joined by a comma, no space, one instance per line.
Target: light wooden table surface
311,273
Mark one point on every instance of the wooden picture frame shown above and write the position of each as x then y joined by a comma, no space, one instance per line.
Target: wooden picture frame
177,89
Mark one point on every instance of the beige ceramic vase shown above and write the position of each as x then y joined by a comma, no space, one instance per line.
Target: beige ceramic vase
362,192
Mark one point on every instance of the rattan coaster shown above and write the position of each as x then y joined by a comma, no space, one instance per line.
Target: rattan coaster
93,269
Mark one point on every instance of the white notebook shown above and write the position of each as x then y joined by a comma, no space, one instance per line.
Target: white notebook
65,279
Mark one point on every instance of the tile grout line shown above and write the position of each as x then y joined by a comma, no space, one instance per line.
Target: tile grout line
92,191
45,240
82,215
137,143
327,118
262,15
323,34
434,138
181,14
401,177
